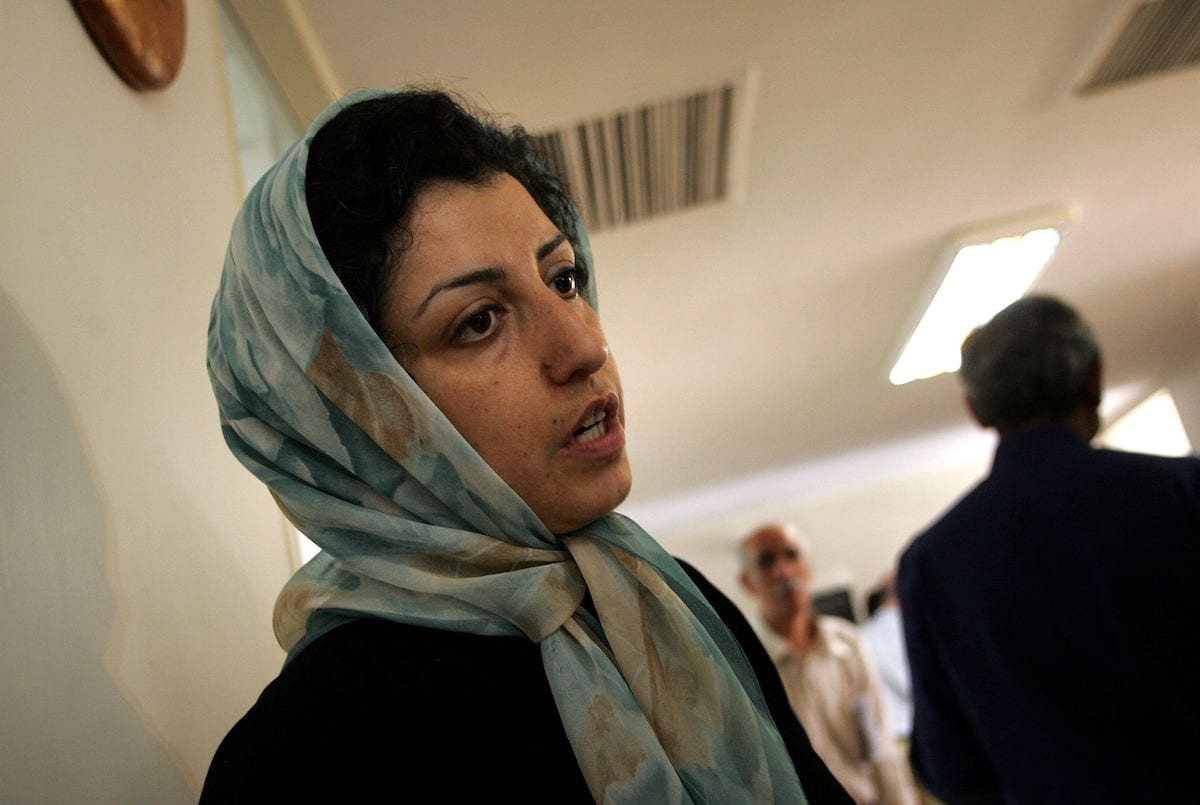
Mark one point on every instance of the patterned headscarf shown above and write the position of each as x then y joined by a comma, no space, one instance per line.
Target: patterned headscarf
656,697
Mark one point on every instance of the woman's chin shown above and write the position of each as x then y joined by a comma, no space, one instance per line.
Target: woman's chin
567,519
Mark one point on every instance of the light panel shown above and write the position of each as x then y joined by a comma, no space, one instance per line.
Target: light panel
984,277
1153,426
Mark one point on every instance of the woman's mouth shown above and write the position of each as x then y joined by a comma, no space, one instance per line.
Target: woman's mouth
592,428
599,433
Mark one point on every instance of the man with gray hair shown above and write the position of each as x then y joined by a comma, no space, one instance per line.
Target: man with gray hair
829,681
1048,613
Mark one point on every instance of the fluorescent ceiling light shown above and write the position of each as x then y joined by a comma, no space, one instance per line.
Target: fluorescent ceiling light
1153,426
987,272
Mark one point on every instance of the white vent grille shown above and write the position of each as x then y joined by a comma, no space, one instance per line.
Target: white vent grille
634,164
1156,36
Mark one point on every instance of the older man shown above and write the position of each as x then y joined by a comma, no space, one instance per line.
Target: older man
1050,614
829,682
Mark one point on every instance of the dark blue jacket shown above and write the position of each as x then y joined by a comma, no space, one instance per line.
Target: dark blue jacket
1051,620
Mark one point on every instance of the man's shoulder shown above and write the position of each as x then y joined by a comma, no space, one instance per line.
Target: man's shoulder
833,634
834,626
839,636
1102,487
1183,466
1118,480
1048,451
951,525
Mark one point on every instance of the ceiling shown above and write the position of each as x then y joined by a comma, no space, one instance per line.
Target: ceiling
755,336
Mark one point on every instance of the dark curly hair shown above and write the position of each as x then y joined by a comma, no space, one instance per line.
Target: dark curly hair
367,165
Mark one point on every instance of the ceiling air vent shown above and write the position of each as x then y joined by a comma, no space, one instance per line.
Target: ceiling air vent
1146,38
634,164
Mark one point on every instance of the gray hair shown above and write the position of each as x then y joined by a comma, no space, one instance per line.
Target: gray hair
1032,361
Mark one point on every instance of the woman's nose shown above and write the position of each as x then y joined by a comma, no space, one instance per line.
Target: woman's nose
572,341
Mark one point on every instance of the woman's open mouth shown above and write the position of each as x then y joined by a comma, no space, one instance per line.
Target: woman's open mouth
593,428
599,433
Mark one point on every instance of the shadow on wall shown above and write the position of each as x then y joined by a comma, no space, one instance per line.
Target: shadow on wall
67,734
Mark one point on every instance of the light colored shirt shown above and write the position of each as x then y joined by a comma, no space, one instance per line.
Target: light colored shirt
883,637
838,699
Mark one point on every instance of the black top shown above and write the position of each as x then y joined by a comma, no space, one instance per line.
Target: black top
1050,619
470,718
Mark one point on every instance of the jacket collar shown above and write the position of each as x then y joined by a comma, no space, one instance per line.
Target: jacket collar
1015,447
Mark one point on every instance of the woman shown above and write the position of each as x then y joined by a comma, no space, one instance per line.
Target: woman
405,349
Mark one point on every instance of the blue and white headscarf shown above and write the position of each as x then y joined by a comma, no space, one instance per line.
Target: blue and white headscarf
656,697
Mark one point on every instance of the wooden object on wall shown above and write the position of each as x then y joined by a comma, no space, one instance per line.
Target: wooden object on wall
142,40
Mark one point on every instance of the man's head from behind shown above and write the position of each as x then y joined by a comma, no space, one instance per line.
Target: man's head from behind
776,570
1035,363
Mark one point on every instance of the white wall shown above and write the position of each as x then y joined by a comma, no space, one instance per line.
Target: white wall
859,510
1184,385
138,561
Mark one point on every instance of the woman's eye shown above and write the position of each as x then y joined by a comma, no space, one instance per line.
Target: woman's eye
477,326
566,283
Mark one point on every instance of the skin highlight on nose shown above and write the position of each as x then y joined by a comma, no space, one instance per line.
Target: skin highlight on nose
574,342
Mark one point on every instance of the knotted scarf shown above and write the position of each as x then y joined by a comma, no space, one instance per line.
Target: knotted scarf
656,697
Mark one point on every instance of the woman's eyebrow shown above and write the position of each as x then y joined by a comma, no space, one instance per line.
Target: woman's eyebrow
486,274
549,246
492,275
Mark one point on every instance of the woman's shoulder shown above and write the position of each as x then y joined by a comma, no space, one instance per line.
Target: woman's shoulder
365,651
391,704
379,666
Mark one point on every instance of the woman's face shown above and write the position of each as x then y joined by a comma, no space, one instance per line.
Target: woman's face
486,313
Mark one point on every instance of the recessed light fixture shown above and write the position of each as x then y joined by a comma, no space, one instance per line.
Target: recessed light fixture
988,269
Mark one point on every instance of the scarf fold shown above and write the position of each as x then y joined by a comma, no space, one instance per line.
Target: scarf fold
656,697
